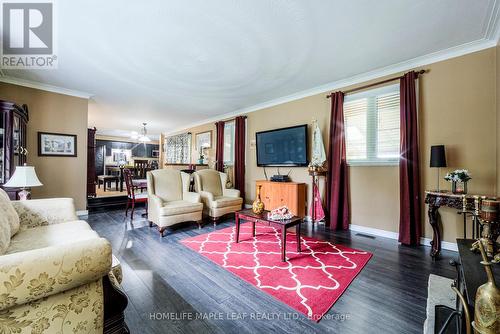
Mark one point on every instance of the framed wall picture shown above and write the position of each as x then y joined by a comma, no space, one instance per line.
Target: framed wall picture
56,144
203,139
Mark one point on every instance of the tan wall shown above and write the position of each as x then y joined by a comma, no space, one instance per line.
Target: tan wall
457,108
498,118
51,112
375,197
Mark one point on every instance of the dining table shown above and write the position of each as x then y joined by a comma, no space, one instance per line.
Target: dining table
118,170
140,183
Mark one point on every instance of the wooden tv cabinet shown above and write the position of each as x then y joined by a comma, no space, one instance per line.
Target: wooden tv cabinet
291,194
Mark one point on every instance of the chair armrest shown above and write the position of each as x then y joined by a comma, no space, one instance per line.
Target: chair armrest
39,273
191,197
40,212
231,192
155,201
206,197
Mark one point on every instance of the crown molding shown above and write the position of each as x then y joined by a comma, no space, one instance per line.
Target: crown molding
493,25
430,58
45,87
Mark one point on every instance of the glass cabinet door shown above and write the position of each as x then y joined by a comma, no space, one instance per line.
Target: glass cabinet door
16,139
2,147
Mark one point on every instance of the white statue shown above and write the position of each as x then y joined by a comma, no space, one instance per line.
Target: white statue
318,149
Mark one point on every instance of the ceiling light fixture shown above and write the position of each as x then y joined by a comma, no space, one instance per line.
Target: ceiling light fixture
143,138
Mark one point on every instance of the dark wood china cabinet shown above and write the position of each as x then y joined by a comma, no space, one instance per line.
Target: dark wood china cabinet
13,151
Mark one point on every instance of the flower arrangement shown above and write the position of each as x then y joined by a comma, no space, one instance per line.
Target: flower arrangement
459,175
201,158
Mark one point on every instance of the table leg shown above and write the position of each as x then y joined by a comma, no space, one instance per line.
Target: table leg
297,233
436,239
478,228
253,229
283,244
313,203
237,221
473,227
465,225
121,179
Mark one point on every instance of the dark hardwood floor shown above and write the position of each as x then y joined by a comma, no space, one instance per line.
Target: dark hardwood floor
172,289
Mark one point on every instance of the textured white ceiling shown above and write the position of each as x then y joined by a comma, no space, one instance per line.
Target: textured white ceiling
172,63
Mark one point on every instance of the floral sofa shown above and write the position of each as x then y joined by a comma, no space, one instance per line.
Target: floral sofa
54,269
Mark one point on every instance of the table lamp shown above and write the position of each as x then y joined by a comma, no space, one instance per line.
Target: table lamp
24,177
438,159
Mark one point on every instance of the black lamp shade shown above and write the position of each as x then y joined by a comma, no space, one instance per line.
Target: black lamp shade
438,156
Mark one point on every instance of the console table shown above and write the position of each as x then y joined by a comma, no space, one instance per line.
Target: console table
435,200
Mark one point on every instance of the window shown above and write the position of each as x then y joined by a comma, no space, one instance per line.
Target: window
178,149
229,128
372,126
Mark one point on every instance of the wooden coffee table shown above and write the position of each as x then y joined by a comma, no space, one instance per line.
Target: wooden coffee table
248,215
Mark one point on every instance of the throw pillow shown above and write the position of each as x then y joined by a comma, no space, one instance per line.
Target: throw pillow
8,211
4,234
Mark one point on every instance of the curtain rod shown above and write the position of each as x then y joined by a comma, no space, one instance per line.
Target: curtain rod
375,84
232,119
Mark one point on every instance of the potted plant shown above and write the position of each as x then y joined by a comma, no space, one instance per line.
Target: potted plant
458,179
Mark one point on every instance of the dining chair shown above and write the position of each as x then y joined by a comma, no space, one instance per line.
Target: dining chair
132,197
141,167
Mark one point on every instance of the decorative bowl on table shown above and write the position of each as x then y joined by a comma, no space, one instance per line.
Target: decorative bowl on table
281,213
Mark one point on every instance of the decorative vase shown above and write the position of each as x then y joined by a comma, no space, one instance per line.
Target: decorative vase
258,205
487,301
459,187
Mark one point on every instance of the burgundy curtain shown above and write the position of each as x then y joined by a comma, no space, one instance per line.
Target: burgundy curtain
219,148
409,176
337,194
239,155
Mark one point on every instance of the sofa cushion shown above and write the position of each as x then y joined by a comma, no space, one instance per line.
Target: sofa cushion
51,235
210,181
8,211
224,201
179,207
4,234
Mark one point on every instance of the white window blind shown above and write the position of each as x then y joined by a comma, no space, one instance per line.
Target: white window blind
372,126
229,128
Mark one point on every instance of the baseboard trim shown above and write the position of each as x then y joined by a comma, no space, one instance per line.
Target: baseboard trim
444,244
248,206
393,235
82,213
374,231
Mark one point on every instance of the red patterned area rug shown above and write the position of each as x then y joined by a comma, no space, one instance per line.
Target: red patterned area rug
310,281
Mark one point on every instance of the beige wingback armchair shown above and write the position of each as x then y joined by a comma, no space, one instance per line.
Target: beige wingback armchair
217,200
54,269
169,199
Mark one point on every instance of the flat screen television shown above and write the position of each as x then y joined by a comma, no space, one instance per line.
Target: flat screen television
282,147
